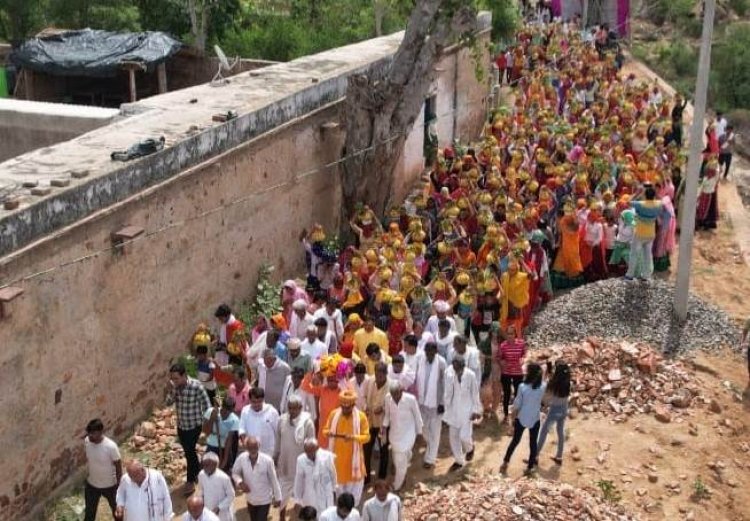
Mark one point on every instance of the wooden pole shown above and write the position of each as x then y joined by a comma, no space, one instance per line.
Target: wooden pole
161,77
687,225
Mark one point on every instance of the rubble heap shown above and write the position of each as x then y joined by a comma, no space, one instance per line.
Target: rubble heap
492,497
157,439
635,310
624,378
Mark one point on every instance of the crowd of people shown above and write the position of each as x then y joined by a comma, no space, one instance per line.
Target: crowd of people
420,322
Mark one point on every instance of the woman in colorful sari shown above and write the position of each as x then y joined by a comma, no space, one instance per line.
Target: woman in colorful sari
666,226
568,267
707,213
515,295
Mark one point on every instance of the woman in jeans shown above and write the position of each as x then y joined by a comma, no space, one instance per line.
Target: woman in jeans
556,397
526,409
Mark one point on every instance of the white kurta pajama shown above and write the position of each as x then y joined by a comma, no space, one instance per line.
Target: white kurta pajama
405,424
315,481
291,436
206,515
430,395
461,401
218,492
149,501
261,425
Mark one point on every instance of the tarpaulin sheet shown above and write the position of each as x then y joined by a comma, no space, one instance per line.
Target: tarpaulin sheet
91,52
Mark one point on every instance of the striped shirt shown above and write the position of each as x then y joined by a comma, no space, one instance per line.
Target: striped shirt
511,354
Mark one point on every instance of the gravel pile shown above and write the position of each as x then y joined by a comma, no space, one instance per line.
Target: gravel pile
636,310
494,498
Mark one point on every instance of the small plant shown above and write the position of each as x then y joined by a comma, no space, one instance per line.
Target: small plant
267,299
700,490
609,491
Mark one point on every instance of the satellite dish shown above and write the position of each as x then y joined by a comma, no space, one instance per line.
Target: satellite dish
224,67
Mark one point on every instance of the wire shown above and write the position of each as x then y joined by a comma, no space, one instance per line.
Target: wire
230,204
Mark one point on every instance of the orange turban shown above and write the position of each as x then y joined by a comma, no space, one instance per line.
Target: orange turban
278,321
347,397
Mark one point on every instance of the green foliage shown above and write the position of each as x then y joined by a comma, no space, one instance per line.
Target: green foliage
678,59
730,86
609,490
740,7
505,18
190,363
700,490
267,300
672,11
19,18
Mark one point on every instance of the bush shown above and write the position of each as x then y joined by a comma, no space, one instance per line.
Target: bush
678,59
740,7
730,88
276,38
505,18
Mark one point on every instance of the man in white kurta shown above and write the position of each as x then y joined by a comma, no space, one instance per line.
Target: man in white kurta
293,387
143,495
431,369
197,511
343,511
294,427
462,407
254,473
405,422
472,356
383,506
400,372
259,419
216,488
315,477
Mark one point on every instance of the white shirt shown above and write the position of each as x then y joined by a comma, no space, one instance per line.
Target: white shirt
308,400
376,510
461,398
314,350
410,361
261,425
445,344
206,515
406,377
330,514
432,324
404,420
721,127
331,342
101,458
361,390
261,478
315,481
472,359
148,502
218,492
298,327
335,321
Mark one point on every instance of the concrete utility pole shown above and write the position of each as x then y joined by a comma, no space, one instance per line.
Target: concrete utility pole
585,16
687,226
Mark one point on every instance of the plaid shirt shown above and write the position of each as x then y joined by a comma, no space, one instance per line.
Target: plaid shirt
191,403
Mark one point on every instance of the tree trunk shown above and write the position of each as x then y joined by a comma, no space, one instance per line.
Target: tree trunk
380,109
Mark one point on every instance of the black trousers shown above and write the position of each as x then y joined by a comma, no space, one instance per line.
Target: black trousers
91,497
189,439
517,434
384,455
258,512
506,380
726,160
